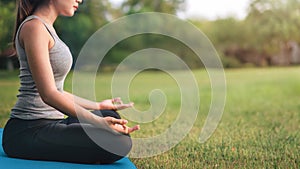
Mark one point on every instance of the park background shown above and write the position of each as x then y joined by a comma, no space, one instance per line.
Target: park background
260,54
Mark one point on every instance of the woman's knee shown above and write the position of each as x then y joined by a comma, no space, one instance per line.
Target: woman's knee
117,152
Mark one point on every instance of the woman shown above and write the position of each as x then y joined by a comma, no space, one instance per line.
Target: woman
37,128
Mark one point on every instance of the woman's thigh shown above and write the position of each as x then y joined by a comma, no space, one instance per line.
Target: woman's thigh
80,143
102,113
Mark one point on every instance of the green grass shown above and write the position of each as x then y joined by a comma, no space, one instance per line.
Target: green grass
8,90
259,128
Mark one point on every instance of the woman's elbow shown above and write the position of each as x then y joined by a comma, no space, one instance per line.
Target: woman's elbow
49,96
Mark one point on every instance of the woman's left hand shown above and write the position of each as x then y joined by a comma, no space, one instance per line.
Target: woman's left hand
119,125
114,104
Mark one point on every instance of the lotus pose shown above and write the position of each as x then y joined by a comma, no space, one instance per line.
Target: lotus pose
37,128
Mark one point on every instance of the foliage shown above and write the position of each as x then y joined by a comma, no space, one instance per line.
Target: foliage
222,32
76,30
164,6
139,42
269,24
7,18
273,22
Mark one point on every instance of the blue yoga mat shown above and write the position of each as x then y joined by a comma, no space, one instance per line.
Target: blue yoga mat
13,163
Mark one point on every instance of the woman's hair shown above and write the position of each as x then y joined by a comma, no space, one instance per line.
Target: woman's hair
25,8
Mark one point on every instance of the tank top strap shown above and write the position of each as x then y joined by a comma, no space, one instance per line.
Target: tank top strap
48,27
51,31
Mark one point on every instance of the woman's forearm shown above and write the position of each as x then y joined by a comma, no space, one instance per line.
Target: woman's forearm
87,104
59,101
66,105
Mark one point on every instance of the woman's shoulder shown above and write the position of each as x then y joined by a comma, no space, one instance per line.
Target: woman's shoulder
33,29
33,26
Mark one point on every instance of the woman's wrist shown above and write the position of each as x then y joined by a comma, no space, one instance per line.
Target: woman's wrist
99,106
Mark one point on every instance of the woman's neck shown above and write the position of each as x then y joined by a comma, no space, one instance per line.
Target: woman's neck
47,13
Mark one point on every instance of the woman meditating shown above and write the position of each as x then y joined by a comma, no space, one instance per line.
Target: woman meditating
37,128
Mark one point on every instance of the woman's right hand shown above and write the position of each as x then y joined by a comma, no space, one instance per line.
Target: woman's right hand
114,104
119,125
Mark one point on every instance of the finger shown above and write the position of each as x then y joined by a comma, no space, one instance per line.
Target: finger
116,100
119,121
124,106
131,104
121,128
132,129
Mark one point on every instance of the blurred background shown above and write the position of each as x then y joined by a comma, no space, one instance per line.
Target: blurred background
246,33
258,43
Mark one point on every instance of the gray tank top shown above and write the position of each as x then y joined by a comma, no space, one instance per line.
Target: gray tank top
29,104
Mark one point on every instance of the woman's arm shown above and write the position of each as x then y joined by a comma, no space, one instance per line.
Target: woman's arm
87,104
109,104
37,51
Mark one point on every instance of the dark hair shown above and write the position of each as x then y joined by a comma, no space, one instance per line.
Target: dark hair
25,8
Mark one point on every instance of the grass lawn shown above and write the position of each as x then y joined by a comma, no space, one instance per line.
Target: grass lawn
260,127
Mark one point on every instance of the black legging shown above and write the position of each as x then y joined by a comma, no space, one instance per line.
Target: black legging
63,140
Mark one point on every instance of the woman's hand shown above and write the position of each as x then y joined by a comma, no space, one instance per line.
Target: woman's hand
114,104
119,125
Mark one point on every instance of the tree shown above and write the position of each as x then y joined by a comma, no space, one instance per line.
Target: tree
76,30
165,6
273,22
139,42
7,18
